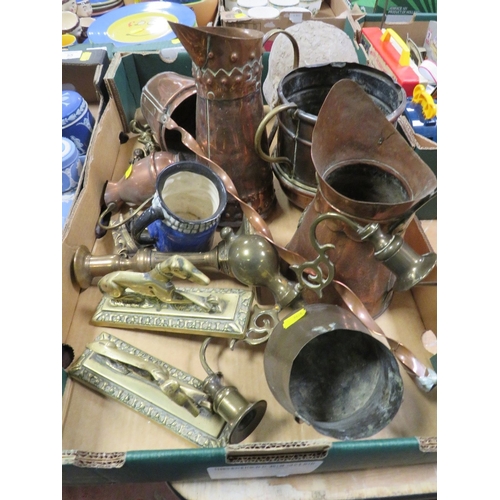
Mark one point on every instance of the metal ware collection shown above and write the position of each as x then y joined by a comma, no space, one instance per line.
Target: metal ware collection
204,165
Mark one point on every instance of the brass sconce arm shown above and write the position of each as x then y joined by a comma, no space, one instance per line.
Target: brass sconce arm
391,250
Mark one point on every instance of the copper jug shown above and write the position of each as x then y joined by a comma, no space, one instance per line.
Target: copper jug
227,68
367,173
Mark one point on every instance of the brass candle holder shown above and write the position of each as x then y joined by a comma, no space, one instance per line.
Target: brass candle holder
206,413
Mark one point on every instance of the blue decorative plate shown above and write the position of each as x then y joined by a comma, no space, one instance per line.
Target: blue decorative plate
140,23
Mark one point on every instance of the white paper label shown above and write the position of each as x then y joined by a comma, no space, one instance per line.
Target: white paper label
263,470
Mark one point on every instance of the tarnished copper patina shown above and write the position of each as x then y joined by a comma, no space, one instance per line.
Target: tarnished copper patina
367,172
169,95
300,95
227,68
138,183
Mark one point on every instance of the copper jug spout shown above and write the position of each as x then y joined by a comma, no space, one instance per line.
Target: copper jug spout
209,46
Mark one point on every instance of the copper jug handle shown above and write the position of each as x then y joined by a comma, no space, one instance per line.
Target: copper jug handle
278,31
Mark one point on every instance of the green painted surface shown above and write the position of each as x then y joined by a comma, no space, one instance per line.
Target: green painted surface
193,464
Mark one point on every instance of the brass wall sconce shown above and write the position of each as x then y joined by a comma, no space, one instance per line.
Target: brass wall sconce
206,413
409,267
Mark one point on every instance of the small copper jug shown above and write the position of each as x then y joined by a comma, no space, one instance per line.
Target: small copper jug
368,173
227,69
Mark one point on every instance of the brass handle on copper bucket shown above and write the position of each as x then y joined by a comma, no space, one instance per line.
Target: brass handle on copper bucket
263,125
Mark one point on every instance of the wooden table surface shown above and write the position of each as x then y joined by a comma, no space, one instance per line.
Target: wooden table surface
393,482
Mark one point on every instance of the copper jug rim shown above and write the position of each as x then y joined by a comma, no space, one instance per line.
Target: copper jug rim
227,31
372,163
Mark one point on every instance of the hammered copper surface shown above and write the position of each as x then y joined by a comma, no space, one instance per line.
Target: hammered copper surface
227,68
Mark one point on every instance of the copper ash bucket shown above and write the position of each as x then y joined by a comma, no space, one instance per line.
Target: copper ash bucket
165,96
368,173
328,371
301,94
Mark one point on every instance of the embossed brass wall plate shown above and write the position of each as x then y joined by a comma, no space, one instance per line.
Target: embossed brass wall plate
139,392
229,319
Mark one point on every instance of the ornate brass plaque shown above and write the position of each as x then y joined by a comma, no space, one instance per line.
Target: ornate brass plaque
140,390
228,318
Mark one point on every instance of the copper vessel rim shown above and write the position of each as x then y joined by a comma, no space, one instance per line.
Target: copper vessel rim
311,118
230,32
365,161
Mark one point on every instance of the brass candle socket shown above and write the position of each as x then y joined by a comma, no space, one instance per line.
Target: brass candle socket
409,267
391,250
241,416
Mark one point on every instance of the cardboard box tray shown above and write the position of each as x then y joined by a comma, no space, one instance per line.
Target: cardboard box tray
104,441
331,12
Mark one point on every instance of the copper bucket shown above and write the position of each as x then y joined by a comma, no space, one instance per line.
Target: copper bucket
367,172
301,94
328,371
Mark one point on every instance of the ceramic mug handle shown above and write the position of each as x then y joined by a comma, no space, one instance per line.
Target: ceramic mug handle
147,217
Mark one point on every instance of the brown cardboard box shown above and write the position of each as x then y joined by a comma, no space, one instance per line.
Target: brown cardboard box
331,12
104,441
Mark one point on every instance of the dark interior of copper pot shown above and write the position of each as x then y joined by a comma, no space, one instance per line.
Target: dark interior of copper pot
368,183
346,384
183,115
308,87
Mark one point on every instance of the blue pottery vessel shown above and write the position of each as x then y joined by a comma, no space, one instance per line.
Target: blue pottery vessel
185,210
77,121
71,165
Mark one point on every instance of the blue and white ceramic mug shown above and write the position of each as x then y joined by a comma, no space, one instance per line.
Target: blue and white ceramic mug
77,121
185,211
71,165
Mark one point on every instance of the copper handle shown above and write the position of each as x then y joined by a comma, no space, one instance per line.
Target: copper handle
296,53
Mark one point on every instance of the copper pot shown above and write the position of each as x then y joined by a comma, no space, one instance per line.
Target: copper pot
138,183
328,371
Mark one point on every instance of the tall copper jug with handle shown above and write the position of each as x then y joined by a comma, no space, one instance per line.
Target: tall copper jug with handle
370,182
227,68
